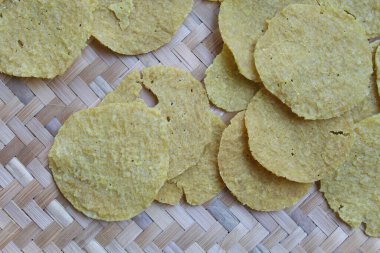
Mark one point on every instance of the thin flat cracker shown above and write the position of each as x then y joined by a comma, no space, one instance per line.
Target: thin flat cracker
353,191
378,69
110,166
42,38
371,104
318,72
202,181
366,12
170,194
151,24
226,87
291,147
242,22
182,101
252,184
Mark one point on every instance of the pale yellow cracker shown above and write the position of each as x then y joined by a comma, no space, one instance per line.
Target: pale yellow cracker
183,102
202,181
317,60
170,194
242,22
377,67
291,147
252,184
365,11
371,104
353,191
145,26
42,38
110,166
226,87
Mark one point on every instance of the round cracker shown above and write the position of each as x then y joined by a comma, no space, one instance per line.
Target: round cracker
317,60
252,184
366,12
354,189
182,101
150,24
202,181
170,194
109,166
242,22
226,87
291,147
42,38
377,59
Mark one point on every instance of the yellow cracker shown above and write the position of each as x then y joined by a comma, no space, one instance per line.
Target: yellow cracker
354,189
242,22
151,24
252,184
42,38
318,72
110,166
170,194
226,87
365,11
291,147
371,104
202,181
378,69
183,101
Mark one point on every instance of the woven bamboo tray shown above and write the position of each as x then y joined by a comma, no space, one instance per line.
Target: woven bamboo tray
34,217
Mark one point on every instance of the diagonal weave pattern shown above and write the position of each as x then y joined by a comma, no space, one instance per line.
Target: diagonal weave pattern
34,217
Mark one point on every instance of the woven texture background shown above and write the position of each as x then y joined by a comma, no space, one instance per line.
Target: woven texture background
34,216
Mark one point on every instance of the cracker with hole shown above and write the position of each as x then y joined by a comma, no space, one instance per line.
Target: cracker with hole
292,147
134,27
353,191
183,102
242,22
247,180
109,166
42,38
318,72
226,87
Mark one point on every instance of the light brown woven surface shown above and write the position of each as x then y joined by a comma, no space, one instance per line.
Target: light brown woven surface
34,217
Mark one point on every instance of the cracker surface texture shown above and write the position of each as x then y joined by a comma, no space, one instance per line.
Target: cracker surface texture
252,184
292,147
170,194
202,181
110,166
42,38
242,22
317,60
367,12
145,26
353,191
182,101
226,87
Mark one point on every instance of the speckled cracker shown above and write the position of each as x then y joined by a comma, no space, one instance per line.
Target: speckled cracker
354,189
170,194
183,102
42,38
242,22
365,11
150,24
371,104
317,60
252,184
110,166
378,69
291,147
226,87
202,181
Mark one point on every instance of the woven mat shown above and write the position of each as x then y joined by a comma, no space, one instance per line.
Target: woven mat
34,216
